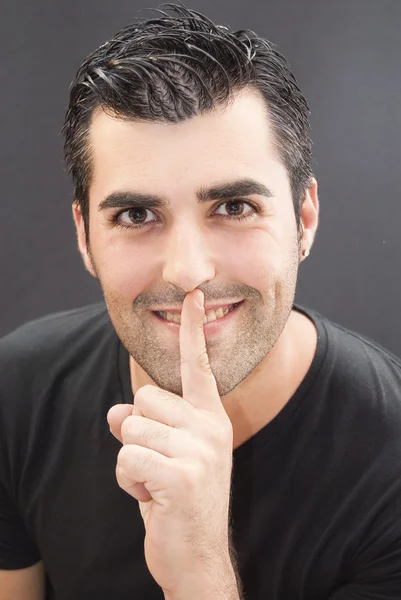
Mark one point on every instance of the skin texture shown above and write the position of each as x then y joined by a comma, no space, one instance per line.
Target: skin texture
176,458
190,246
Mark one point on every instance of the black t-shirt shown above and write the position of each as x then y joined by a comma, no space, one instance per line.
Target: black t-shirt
316,494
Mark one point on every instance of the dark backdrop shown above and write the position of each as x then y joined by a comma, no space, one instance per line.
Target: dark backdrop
346,57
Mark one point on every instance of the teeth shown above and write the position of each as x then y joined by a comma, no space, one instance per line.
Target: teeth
211,315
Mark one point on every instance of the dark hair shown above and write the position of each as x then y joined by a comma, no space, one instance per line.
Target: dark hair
174,67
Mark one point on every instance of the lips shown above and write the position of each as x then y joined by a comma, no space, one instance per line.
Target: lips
210,315
208,307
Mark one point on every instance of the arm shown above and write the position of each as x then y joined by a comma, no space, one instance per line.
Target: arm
222,581
28,583
22,574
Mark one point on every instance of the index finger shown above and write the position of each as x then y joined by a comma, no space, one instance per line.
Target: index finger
198,383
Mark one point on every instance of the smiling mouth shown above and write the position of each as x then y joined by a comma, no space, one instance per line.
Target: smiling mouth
210,316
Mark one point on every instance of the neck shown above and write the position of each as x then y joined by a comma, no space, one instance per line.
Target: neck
263,394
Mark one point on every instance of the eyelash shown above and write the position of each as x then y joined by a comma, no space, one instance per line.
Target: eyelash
114,218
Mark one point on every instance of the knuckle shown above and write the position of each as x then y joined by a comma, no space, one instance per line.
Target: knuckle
142,394
124,461
131,457
135,430
126,427
146,460
153,432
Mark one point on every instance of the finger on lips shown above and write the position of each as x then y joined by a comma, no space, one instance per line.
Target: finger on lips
198,383
159,408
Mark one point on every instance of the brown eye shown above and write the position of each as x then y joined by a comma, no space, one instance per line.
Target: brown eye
137,214
235,208
134,216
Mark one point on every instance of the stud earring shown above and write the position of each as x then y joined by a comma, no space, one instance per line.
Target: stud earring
305,252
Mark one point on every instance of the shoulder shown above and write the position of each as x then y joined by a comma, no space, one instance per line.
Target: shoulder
48,368
52,331
355,403
367,367
355,357
39,349
360,351
360,379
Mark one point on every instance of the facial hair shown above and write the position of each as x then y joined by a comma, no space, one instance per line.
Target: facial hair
232,359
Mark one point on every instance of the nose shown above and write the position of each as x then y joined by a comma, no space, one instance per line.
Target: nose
187,262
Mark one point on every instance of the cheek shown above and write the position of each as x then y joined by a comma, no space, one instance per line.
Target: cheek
254,258
125,268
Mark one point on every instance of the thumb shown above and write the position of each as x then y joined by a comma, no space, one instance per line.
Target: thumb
116,416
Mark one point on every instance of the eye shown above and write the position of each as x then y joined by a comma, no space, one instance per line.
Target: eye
135,216
236,208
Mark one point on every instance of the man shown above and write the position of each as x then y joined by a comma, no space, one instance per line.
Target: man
256,445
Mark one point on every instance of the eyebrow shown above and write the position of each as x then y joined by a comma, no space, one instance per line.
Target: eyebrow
223,191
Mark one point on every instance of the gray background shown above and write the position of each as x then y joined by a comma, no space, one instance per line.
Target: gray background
346,56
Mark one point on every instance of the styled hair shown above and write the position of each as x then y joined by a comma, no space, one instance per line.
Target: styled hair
177,66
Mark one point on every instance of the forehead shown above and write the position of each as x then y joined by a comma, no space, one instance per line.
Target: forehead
230,142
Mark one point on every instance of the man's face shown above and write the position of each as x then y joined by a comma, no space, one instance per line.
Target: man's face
189,244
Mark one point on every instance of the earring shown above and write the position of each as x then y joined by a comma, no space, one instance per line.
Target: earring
305,252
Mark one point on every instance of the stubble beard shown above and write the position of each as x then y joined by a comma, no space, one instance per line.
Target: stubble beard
232,360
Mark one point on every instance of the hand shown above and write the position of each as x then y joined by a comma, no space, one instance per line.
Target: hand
176,460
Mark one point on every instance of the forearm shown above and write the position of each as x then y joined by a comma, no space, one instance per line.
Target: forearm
222,590
224,584
202,594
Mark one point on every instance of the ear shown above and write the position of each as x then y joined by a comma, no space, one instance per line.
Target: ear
309,217
81,238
